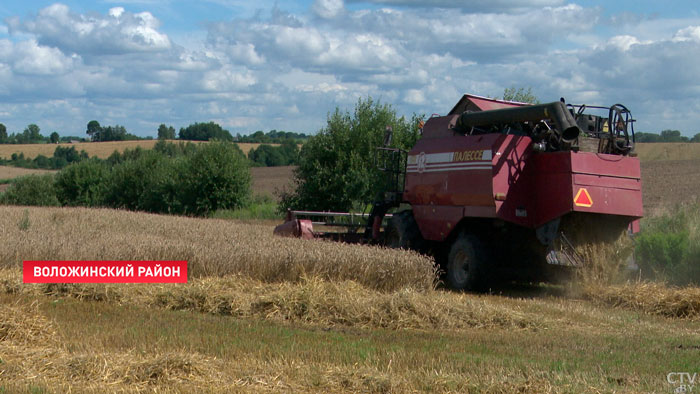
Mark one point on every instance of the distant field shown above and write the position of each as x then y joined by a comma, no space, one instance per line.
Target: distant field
646,151
94,149
271,180
7,172
653,151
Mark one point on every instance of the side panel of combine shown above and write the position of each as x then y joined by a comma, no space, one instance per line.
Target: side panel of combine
513,190
450,178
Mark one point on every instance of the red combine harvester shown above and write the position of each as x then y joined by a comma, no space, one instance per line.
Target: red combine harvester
500,189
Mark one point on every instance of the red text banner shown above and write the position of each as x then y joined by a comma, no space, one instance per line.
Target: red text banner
102,271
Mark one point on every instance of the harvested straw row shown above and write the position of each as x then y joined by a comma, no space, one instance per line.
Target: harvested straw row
34,356
313,301
212,247
31,349
647,297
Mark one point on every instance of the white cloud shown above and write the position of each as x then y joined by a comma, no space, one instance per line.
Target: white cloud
690,33
415,96
28,58
116,12
472,5
227,79
118,32
328,9
623,42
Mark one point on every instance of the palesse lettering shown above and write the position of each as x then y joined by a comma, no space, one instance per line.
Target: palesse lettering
468,155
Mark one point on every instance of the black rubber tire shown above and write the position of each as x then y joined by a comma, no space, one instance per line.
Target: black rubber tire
466,264
403,232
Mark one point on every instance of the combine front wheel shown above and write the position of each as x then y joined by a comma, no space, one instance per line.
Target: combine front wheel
465,264
403,232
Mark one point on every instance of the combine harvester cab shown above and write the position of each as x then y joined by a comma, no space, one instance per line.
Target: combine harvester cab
504,190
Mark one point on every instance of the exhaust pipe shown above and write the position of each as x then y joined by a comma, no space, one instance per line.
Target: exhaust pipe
566,126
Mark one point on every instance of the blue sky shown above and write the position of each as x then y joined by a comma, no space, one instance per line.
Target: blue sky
285,64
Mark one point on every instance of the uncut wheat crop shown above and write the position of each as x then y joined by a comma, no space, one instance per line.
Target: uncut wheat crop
211,247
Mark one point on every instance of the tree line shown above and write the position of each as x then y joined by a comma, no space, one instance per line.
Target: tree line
665,136
263,156
194,132
184,179
30,135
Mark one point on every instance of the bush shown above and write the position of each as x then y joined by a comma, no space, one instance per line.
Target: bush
199,180
337,166
61,158
69,154
174,150
37,190
83,184
273,156
668,248
214,177
204,132
263,207
146,183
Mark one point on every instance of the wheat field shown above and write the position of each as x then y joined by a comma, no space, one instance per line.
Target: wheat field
212,247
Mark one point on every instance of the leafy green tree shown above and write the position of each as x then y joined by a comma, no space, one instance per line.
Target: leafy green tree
696,138
69,154
30,135
337,167
3,134
41,161
216,176
647,137
36,190
174,150
272,156
290,151
521,95
54,137
673,136
166,132
83,183
93,130
113,133
260,137
266,155
204,132
272,137
148,182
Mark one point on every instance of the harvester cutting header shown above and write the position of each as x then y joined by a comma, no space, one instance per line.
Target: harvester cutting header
500,189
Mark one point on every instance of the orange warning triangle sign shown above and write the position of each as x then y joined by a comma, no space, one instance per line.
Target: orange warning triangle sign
583,199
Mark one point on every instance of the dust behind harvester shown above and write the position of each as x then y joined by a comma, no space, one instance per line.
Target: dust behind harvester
501,190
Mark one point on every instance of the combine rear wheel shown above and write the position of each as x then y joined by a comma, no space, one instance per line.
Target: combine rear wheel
466,264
